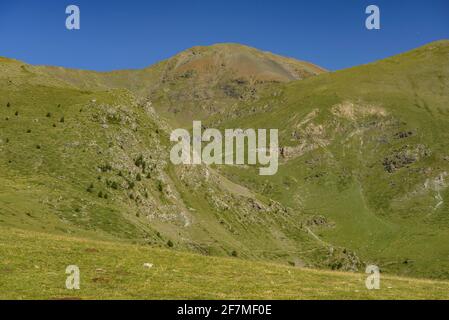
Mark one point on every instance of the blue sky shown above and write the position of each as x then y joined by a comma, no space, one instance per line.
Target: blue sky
135,34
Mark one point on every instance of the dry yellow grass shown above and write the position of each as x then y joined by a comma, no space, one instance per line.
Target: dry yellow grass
33,267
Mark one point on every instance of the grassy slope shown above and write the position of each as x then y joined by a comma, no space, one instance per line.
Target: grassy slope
195,83
48,165
110,270
394,219
45,172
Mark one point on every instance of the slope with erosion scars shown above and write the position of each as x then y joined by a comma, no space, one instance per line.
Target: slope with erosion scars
362,129
109,180
193,85
96,163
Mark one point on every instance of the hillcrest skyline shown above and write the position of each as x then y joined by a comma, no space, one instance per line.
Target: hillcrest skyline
331,34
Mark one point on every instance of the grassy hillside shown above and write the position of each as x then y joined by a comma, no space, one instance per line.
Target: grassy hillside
366,148
116,271
363,174
192,85
95,163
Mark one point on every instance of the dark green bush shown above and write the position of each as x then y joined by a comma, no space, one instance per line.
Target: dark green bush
105,167
160,187
139,162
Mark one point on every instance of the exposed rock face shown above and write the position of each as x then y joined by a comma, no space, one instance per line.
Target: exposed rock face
344,260
318,221
404,156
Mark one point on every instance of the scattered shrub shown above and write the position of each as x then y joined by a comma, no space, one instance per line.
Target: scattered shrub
138,177
170,243
29,131
48,115
8,105
105,167
234,253
140,162
160,187
90,188
62,120
16,113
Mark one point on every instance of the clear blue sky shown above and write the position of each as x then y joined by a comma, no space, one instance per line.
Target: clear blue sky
118,34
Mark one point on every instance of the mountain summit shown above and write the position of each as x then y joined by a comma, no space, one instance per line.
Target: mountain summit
242,62
192,85
203,81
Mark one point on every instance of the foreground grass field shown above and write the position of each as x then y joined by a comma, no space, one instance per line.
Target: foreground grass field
32,266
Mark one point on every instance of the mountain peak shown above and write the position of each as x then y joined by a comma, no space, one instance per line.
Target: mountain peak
242,62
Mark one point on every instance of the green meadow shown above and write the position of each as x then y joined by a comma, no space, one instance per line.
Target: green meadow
86,179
